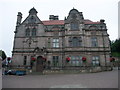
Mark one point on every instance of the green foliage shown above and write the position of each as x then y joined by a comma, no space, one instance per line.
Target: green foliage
115,45
116,54
115,48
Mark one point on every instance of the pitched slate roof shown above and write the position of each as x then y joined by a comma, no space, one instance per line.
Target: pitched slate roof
53,22
61,22
87,21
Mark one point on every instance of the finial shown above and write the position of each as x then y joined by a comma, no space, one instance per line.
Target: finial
65,18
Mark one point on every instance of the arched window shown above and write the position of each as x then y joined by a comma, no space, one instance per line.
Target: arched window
75,41
27,32
34,32
74,26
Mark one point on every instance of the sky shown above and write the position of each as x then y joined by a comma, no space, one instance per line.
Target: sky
92,9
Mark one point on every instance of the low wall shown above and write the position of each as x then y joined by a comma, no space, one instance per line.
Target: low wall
76,70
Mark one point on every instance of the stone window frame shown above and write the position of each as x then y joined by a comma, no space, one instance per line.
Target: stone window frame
33,32
27,32
55,43
95,61
25,60
73,43
94,42
55,61
76,60
74,25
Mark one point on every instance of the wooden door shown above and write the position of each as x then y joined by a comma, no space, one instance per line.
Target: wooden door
39,64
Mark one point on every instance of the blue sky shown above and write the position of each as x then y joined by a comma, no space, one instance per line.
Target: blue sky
92,9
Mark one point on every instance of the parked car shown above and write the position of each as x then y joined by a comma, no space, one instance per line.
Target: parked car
10,72
18,72
15,72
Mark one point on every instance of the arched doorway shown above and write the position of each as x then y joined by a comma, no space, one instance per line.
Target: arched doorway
39,64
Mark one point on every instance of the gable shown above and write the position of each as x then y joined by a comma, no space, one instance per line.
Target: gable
32,19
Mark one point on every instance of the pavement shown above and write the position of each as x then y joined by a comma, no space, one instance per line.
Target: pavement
108,79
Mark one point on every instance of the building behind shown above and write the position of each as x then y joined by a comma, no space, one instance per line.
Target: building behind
55,40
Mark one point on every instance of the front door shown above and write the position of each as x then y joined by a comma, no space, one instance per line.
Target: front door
39,64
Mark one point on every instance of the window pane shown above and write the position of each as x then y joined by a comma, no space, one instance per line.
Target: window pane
95,61
75,42
77,63
55,42
27,33
25,60
94,41
74,26
93,58
34,32
97,58
55,60
77,57
73,58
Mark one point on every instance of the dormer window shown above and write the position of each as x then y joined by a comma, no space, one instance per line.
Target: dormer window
74,26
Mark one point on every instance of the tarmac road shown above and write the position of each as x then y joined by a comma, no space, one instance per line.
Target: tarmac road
107,79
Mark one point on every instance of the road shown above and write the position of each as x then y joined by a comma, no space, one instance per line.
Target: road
107,79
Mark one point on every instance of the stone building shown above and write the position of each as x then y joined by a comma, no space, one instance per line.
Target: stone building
54,40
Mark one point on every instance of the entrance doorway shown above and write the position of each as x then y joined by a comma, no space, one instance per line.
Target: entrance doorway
39,64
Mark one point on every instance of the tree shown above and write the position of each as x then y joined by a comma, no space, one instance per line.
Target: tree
115,47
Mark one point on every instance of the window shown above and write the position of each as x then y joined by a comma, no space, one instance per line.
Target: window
34,32
27,33
25,60
94,42
31,62
76,61
48,42
75,41
74,26
56,43
55,60
95,61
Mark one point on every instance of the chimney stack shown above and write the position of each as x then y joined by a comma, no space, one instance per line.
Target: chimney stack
19,18
52,17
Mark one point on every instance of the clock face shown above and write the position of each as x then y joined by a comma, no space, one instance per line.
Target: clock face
32,19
